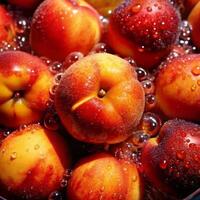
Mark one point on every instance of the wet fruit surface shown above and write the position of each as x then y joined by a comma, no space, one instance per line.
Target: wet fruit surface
136,69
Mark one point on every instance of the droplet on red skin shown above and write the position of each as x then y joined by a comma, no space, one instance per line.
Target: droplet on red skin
155,29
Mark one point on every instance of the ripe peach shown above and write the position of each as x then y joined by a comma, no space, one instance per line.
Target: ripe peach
101,176
194,19
60,27
26,4
172,161
178,88
24,84
99,99
7,25
144,29
33,161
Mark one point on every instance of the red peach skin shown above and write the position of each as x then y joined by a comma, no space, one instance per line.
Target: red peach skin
61,27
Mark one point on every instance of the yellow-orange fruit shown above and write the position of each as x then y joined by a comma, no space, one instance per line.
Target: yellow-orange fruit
101,176
33,161
99,99
25,82
178,88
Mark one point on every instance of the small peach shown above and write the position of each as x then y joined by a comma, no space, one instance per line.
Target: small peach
99,99
101,176
33,161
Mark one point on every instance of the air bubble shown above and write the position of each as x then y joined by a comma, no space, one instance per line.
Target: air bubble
56,195
100,48
139,138
148,86
55,67
150,102
72,58
57,78
51,121
150,124
141,73
65,178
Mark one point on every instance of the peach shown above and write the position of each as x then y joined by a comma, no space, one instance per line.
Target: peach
194,19
101,176
172,161
178,88
33,161
144,30
24,84
26,4
7,25
61,27
99,99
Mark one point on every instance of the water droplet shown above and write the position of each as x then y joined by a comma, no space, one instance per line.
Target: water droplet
136,8
134,178
13,156
42,155
37,146
163,164
181,155
196,70
141,49
193,88
149,9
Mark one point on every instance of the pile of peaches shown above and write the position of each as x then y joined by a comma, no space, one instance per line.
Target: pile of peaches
99,100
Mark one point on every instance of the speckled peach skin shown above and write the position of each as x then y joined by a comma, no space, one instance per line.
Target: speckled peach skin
91,118
60,27
178,88
103,176
33,161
